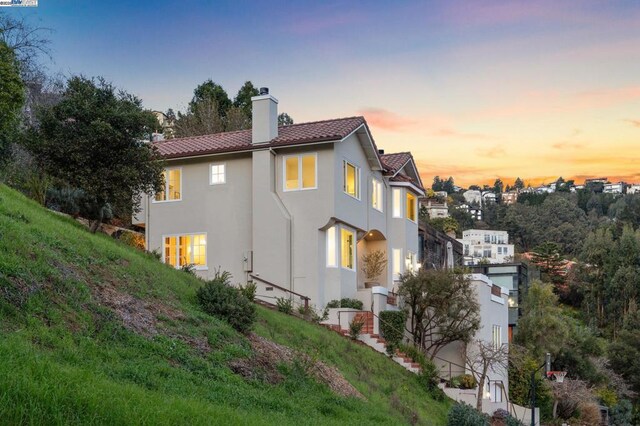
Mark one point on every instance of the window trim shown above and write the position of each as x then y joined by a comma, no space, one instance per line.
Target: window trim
166,183
224,181
357,177
354,259
375,181
204,267
284,172
415,206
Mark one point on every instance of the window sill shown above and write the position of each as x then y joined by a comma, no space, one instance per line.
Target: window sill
351,196
165,201
299,189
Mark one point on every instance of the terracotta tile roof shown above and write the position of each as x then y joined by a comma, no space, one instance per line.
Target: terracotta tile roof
294,134
394,161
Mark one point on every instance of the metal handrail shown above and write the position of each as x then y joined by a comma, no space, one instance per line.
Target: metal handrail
303,297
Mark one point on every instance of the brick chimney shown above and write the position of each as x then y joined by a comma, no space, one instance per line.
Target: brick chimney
264,125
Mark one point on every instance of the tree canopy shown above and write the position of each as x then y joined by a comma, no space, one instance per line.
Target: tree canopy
11,97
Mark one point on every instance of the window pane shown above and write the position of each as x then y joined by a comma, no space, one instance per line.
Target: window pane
309,171
376,195
397,205
350,179
291,173
185,255
411,206
218,173
397,263
170,251
160,196
347,249
199,250
174,184
331,247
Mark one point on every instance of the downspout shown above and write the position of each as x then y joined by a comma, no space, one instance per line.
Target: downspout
275,192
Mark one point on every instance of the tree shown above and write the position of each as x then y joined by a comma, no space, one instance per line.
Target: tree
518,184
542,327
26,41
243,98
482,358
445,224
11,97
449,185
210,91
624,353
442,307
437,184
547,257
94,140
498,186
284,119
203,118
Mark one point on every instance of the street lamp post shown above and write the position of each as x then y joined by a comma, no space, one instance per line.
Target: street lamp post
547,365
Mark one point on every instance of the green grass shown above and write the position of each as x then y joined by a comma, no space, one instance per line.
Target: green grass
65,358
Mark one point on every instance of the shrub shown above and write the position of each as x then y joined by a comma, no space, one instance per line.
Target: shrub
65,200
392,328
249,290
503,417
285,305
355,328
219,299
189,268
465,415
346,303
622,414
463,381
132,239
429,375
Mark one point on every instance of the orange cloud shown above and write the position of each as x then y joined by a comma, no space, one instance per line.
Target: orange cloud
496,151
635,123
386,120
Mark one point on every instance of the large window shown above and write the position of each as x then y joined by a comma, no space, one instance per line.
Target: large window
347,249
396,263
218,174
376,195
397,203
412,207
188,249
351,180
332,252
300,172
171,187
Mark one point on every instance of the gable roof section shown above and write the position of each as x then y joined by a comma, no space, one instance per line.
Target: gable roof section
294,134
395,163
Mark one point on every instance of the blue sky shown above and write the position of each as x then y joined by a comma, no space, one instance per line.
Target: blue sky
476,89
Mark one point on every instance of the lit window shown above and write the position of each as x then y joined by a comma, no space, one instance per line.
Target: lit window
332,258
412,209
189,249
376,195
171,183
218,174
351,180
300,172
397,204
410,262
397,263
348,248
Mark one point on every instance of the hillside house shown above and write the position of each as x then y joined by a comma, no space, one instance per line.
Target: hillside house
484,245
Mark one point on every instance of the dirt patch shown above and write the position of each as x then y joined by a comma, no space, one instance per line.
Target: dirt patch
268,355
132,311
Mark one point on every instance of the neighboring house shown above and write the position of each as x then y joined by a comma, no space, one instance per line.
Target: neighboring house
441,194
437,249
634,189
475,212
435,209
614,188
601,180
494,326
488,197
510,197
515,278
473,197
292,207
484,245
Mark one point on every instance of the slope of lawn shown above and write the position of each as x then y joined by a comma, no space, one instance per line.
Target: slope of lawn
95,332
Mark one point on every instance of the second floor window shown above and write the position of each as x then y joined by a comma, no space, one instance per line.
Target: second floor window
172,183
397,202
218,174
351,180
412,208
376,195
300,172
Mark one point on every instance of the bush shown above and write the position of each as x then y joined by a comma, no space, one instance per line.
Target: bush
465,415
219,299
505,418
355,328
392,328
463,381
285,305
189,268
65,200
249,290
132,239
346,303
621,414
429,375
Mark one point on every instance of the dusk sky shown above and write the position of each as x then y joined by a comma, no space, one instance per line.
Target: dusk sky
476,89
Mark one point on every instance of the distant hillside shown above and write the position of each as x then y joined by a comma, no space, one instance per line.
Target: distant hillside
95,332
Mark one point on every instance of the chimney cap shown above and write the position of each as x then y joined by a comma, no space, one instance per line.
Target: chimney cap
381,151
264,91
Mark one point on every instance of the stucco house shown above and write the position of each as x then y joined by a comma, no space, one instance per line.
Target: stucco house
292,207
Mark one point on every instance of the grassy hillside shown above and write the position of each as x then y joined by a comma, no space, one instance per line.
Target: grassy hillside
94,332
